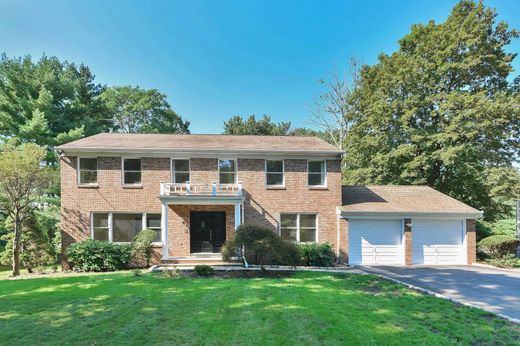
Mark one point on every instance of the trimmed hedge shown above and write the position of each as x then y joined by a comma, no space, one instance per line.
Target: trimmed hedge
318,255
498,246
98,256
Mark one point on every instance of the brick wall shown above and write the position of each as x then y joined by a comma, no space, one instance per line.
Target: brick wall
262,205
471,232
343,240
408,255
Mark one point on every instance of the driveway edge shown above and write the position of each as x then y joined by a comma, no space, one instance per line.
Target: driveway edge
439,295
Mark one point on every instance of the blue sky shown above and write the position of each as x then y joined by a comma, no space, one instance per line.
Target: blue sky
216,59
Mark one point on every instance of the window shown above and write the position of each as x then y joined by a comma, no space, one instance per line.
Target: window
317,173
227,171
274,172
87,171
123,227
298,227
153,222
126,227
180,171
131,171
100,226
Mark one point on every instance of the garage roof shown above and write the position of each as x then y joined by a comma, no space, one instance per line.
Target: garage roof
400,199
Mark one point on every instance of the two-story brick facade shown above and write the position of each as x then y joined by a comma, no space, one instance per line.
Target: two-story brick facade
194,190
113,186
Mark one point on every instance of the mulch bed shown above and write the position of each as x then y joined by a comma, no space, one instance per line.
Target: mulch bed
245,274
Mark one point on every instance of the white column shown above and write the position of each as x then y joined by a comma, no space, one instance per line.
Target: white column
238,218
164,230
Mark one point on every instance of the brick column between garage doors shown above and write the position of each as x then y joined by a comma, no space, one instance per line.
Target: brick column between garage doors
471,234
408,260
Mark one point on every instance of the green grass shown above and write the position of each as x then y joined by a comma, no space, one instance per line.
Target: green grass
308,309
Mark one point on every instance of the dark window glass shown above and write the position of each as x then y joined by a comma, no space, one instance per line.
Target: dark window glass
132,164
181,177
274,178
132,171
100,223
88,170
132,177
153,222
126,226
274,166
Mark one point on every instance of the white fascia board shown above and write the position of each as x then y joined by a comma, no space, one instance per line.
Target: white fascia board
206,153
187,200
408,215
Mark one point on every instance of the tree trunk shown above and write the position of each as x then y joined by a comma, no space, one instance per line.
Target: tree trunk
16,244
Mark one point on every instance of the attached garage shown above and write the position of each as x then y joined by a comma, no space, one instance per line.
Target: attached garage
438,241
375,242
396,225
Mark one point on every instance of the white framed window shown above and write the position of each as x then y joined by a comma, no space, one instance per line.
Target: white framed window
100,226
181,170
227,171
122,227
132,174
317,173
87,170
153,222
299,227
274,172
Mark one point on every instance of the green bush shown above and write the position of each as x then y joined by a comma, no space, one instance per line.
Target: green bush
204,270
260,245
319,255
227,251
508,261
98,256
142,247
498,246
487,228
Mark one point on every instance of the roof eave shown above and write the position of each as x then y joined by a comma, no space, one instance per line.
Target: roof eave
452,214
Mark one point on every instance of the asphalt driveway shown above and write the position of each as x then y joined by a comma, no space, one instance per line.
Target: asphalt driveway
494,290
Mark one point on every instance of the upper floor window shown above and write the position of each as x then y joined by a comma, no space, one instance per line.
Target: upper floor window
227,171
299,227
274,170
87,171
180,171
131,171
317,173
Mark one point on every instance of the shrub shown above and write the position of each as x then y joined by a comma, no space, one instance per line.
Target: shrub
508,261
137,272
488,228
227,251
261,245
204,270
498,246
98,256
319,255
142,247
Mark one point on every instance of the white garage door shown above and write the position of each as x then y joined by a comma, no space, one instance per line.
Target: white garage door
438,242
375,242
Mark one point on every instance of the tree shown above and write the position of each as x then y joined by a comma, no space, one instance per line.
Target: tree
22,183
137,110
333,110
264,127
49,102
440,110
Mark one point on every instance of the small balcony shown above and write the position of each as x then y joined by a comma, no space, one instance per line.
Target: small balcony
204,189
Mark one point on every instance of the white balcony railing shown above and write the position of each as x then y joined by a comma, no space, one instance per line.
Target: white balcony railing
190,189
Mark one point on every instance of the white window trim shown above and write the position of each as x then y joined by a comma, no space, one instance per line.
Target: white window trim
282,172
316,238
236,169
172,173
324,172
111,224
123,171
78,172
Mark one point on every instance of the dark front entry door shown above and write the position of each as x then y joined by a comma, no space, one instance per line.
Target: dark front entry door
207,231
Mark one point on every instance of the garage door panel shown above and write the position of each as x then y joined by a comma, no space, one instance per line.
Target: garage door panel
437,242
375,242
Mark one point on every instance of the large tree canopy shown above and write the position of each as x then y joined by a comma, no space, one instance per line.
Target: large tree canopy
49,102
137,110
237,125
440,110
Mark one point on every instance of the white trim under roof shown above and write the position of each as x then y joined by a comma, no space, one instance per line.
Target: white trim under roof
403,214
206,153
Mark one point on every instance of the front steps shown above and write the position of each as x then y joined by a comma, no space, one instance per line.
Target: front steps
211,259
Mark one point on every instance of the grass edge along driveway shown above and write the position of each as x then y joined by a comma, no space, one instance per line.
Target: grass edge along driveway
307,308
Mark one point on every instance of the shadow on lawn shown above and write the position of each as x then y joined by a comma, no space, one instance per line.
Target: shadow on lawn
117,307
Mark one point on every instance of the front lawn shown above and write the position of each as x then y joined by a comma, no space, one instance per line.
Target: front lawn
307,308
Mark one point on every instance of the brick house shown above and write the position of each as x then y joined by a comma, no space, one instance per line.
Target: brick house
194,190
